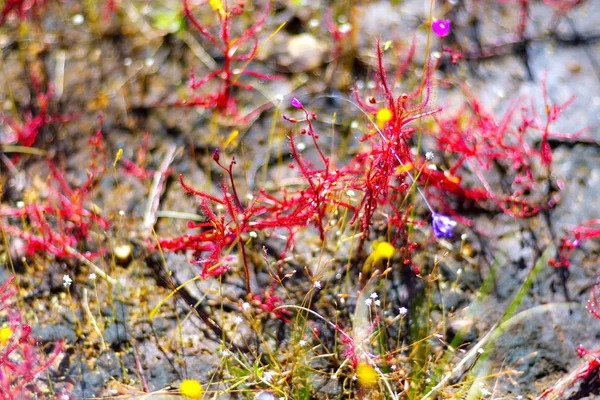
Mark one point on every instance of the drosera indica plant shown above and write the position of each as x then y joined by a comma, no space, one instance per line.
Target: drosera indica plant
222,98
60,222
22,361
27,125
381,178
323,193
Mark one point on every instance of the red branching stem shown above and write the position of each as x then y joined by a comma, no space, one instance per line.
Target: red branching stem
403,67
389,97
199,193
315,189
573,240
594,302
188,13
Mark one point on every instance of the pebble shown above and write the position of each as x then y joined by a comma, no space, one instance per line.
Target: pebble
305,52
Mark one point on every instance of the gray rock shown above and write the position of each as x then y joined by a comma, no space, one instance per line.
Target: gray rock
54,333
305,52
117,333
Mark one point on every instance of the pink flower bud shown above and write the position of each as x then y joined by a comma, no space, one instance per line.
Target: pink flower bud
296,103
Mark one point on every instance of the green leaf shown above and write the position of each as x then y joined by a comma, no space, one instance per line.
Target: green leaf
238,372
168,20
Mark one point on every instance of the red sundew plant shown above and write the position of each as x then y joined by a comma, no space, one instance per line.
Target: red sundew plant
372,172
338,33
27,130
60,222
482,143
223,100
138,168
264,212
591,365
594,302
271,303
568,243
592,357
369,172
391,150
21,362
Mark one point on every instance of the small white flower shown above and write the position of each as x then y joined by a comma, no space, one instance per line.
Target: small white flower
345,28
245,306
403,311
368,302
317,285
226,353
429,155
78,19
374,295
480,351
92,277
378,303
238,320
67,281
302,342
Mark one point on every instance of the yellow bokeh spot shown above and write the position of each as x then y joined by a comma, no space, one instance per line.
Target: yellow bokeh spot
366,374
118,157
5,334
232,139
192,389
451,177
382,250
217,6
404,168
383,116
